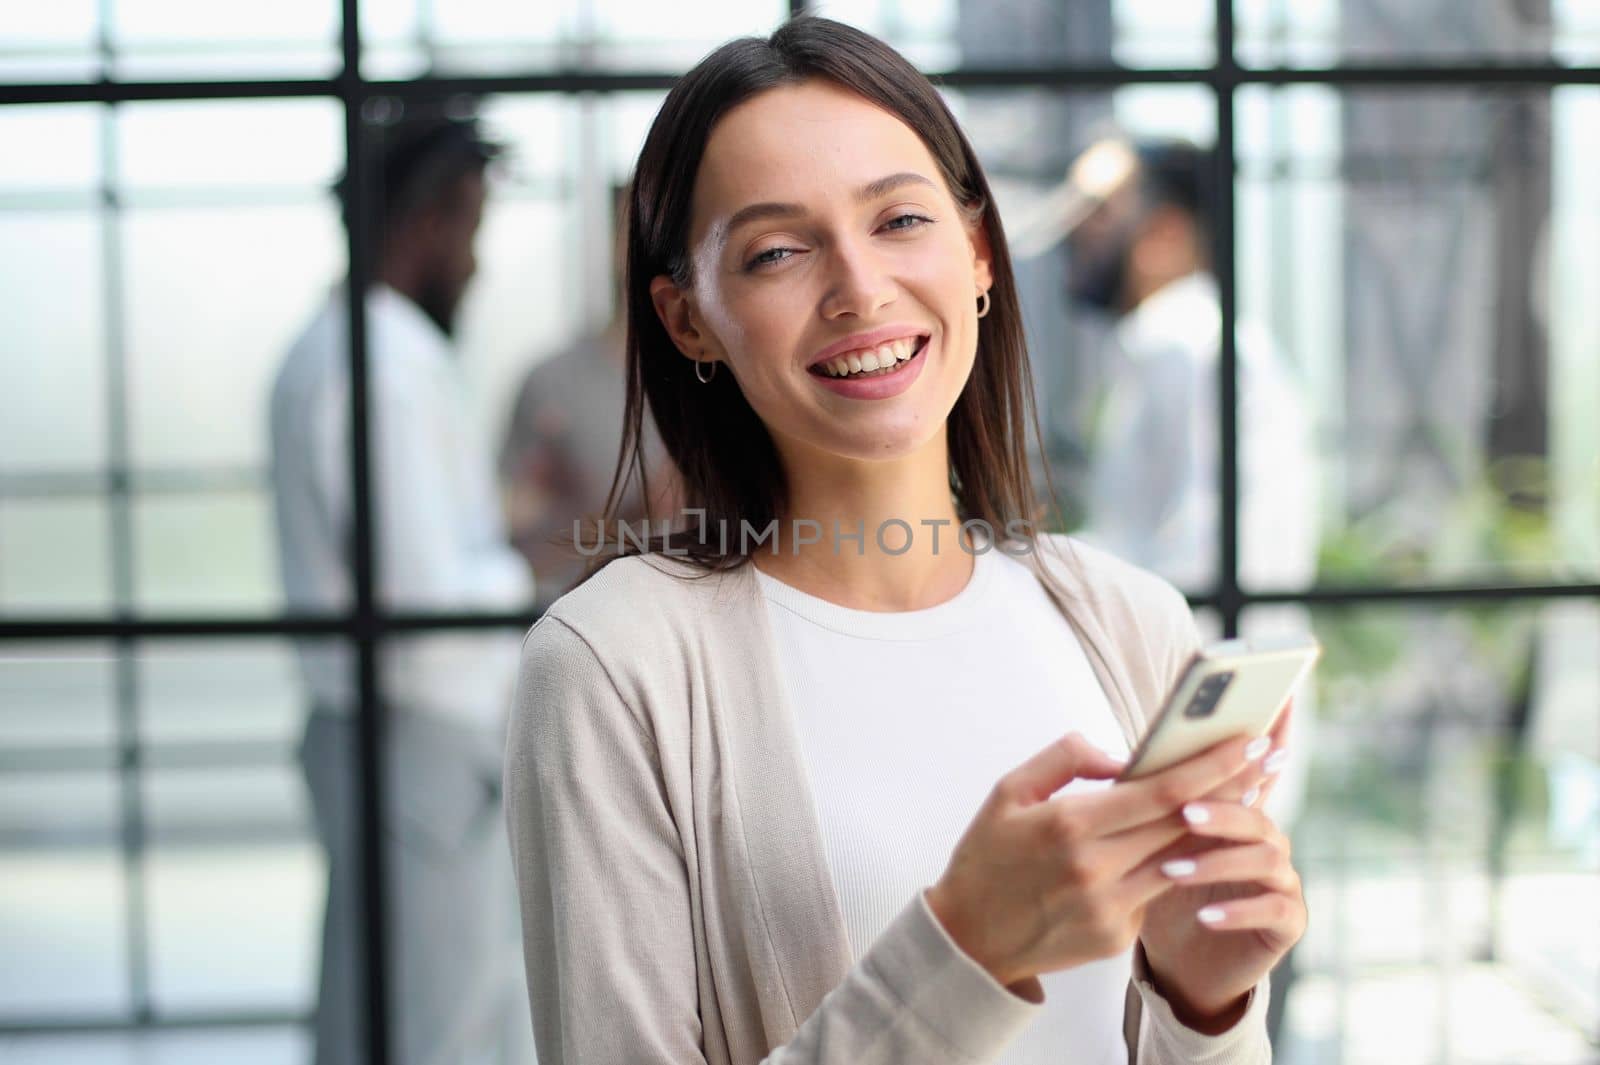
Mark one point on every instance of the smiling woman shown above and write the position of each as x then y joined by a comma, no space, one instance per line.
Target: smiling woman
785,214
803,810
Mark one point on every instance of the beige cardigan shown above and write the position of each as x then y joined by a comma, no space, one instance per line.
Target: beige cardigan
677,908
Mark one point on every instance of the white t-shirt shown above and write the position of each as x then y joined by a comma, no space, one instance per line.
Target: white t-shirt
907,719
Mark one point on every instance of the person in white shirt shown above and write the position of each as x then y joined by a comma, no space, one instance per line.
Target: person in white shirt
440,546
1136,218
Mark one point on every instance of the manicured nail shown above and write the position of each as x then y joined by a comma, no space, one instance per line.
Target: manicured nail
1258,747
1275,762
1178,867
1196,814
1211,915
1250,797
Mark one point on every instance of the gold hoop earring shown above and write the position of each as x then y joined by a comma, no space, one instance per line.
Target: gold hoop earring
983,303
707,379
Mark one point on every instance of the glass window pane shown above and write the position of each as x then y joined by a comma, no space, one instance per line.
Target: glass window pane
236,876
214,298
523,237
1447,832
235,886
209,692
663,34
1329,33
192,38
482,36
948,34
61,895
170,1046
55,556
211,552
1419,259
540,134
255,144
535,218
49,42
49,146
52,365
1163,33
55,695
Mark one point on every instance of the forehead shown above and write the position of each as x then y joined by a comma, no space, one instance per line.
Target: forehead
801,143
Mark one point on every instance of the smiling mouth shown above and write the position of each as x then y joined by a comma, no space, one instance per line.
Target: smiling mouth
880,361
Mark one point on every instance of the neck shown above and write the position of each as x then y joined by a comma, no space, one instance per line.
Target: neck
872,496
401,277
1142,284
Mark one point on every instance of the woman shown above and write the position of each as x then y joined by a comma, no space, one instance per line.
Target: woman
806,781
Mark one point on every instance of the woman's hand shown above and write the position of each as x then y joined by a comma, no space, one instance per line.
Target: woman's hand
1239,906
1040,884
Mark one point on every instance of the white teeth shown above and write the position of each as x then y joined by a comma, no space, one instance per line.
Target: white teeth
875,359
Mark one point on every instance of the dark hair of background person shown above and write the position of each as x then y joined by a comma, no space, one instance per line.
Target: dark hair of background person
1178,173
725,457
416,160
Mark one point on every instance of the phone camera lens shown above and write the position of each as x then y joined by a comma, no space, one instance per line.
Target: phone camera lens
1205,700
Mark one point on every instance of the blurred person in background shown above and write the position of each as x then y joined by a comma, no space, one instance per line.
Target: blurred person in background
1135,215
440,546
565,434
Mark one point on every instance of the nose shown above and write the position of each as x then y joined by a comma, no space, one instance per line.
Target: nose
859,284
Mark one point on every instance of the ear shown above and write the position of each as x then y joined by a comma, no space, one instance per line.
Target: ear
982,253
675,308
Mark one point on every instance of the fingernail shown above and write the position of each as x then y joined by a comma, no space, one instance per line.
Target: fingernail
1178,867
1258,747
1250,797
1211,915
1275,761
1196,814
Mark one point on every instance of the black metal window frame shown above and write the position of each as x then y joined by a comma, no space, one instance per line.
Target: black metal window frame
367,624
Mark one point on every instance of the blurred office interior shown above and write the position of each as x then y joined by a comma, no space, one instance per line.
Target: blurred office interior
1413,215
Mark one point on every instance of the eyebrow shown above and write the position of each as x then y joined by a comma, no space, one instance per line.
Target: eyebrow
870,191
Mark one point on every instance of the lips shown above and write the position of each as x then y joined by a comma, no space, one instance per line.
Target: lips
868,352
872,360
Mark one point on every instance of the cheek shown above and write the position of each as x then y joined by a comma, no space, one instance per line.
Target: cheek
943,270
761,325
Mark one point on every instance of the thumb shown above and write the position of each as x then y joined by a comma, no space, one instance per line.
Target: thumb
1064,761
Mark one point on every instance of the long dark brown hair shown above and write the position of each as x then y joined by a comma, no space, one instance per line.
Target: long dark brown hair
726,463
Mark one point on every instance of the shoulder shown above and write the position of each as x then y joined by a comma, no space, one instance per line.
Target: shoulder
548,372
641,613
405,348
626,645
1110,580
1144,614
313,368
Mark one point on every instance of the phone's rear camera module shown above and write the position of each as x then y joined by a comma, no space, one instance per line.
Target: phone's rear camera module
1205,700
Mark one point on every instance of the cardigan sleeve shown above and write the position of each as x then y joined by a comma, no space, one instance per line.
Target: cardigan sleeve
609,933
607,940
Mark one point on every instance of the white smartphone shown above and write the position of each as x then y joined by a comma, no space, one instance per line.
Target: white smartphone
1229,688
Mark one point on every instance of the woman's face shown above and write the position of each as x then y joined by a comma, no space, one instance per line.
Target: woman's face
822,229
